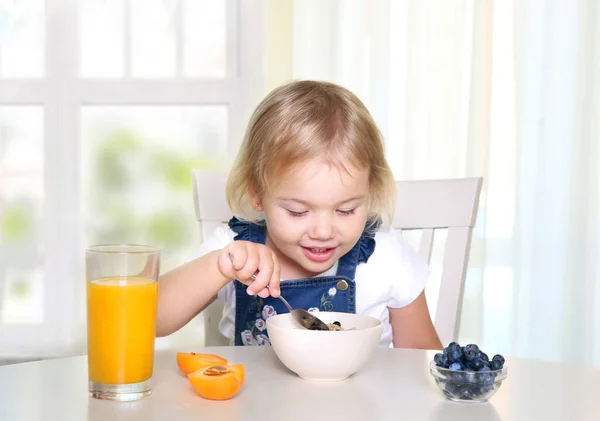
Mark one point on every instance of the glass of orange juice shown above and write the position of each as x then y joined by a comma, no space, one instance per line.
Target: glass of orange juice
122,287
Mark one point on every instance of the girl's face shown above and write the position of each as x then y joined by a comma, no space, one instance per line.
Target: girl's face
315,214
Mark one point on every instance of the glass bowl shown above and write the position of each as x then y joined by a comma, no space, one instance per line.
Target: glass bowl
467,386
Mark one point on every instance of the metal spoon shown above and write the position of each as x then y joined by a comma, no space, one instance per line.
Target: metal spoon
303,317
306,319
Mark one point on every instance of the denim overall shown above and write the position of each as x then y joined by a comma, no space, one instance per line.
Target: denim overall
323,293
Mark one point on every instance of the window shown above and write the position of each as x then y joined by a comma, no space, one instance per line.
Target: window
105,107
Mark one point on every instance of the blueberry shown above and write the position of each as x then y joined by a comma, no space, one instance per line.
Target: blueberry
500,358
455,356
476,391
452,347
475,365
471,352
470,377
466,392
481,391
495,365
452,389
472,348
456,366
485,357
487,377
485,389
445,361
441,360
456,376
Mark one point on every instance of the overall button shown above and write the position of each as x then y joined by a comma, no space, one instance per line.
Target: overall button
342,285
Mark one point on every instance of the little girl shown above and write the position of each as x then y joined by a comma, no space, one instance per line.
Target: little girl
309,190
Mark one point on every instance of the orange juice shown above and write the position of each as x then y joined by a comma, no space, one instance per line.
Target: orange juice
121,329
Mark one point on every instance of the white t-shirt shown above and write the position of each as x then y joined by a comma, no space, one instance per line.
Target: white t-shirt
394,276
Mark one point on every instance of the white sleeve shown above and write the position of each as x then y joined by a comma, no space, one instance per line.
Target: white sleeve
218,240
405,271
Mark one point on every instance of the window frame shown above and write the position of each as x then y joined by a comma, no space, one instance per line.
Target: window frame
61,93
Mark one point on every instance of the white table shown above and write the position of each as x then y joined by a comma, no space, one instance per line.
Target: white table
396,385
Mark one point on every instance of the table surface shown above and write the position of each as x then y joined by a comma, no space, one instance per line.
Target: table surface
395,385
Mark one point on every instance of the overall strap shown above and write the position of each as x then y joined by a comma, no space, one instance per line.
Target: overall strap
361,251
248,231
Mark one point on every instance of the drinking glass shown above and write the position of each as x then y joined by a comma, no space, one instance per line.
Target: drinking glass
122,287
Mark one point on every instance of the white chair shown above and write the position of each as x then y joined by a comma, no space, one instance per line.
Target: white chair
211,212
424,205
450,204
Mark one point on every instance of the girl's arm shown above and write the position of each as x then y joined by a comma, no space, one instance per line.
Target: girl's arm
412,326
186,291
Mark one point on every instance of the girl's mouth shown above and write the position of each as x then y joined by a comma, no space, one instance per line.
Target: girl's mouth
318,254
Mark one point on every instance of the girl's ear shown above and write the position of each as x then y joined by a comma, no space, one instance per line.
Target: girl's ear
255,200
256,203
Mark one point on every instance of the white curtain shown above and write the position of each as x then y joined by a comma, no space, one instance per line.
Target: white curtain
508,90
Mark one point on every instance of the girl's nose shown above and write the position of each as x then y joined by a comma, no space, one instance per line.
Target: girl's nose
322,228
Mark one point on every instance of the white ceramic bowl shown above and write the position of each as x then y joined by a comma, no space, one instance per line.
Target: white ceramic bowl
325,355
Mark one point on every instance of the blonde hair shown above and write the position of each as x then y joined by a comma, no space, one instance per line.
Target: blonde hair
305,120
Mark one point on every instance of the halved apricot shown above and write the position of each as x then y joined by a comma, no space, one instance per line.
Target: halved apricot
218,382
239,370
188,362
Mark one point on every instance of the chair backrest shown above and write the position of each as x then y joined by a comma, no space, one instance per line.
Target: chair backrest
211,212
424,205
450,204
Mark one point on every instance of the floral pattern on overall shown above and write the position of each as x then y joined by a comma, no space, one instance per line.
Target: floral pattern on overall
326,300
255,332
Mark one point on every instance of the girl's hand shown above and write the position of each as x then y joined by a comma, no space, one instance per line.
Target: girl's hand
242,259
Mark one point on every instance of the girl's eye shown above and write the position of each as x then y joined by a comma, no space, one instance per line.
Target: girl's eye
346,212
296,214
